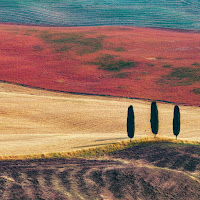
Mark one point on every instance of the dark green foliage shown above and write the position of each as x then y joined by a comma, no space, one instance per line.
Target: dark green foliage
166,66
119,49
37,48
117,65
196,64
154,118
69,41
150,65
159,58
176,121
196,91
186,72
182,76
130,122
107,62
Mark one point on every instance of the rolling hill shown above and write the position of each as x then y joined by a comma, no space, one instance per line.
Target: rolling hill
116,61
145,171
63,89
36,121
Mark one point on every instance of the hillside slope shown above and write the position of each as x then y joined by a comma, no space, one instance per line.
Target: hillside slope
146,172
38,121
117,61
182,14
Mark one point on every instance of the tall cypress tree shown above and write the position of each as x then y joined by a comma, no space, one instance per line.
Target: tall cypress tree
176,121
130,122
154,118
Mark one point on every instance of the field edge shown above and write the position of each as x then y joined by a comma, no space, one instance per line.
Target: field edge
100,151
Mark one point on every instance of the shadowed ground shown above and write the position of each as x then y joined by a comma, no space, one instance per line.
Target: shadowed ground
150,171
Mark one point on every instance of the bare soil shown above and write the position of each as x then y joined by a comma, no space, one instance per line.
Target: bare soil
150,171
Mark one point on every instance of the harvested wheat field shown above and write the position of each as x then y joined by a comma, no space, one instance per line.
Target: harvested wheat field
36,121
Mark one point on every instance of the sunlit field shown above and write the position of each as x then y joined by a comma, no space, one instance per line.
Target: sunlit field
37,121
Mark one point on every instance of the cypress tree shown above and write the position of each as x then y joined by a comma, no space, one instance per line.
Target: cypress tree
176,121
130,122
154,118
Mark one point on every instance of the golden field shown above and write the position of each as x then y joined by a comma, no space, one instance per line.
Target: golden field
38,121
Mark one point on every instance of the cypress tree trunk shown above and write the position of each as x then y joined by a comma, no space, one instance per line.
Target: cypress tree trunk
154,118
130,122
176,121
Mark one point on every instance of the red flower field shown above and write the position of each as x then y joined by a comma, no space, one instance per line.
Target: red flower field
132,62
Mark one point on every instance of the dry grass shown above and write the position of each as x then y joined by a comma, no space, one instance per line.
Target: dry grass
39,122
102,151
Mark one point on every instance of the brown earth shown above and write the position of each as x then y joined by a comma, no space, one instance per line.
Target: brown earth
119,61
145,172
